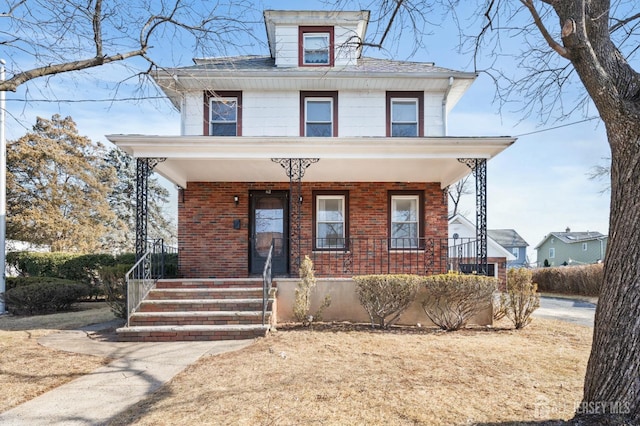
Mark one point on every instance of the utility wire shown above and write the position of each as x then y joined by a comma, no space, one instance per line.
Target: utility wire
557,127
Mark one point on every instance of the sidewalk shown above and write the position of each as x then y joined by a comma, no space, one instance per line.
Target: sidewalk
138,370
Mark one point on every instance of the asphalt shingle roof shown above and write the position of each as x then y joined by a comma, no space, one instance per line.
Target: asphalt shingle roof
507,237
267,63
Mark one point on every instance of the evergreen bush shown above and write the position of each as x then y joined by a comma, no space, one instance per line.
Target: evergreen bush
44,297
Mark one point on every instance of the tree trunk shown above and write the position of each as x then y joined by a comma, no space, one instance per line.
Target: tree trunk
612,382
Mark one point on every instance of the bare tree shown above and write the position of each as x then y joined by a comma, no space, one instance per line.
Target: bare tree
42,38
563,44
456,192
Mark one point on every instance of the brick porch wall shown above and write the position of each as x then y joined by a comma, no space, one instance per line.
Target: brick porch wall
209,246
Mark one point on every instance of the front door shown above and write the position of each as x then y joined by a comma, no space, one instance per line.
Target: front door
269,221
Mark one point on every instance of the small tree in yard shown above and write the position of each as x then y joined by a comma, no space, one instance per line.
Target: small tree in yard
453,299
521,298
302,304
385,297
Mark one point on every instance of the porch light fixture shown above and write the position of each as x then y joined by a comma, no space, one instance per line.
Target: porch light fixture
236,199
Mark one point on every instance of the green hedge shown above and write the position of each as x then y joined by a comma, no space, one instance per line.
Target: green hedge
44,297
13,282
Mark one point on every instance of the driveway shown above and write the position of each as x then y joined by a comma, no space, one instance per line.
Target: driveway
565,309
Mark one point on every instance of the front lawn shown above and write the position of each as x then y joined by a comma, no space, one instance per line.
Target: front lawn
28,369
351,375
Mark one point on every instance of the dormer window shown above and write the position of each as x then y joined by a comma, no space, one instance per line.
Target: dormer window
315,46
223,113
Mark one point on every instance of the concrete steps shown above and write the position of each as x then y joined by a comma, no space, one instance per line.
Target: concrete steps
184,310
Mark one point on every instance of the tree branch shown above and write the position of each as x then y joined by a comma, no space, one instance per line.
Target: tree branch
561,50
13,83
622,22
97,28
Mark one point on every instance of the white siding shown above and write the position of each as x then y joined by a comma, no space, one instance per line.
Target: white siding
433,122
361,114
286,46
193,114
271,114
345,45
277,113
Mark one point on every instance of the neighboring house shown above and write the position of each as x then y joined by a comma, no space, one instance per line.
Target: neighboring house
316,148
571,248
514,243
462,236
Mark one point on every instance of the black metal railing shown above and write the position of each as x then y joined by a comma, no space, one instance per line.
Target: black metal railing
267,276
339,257
158,261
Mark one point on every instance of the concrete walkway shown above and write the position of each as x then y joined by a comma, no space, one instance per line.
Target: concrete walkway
138,370
566,309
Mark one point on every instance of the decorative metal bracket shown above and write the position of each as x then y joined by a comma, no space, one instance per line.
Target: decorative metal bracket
295,169
479,168
144,167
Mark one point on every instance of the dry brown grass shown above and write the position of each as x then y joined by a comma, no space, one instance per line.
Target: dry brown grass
28,369
351,375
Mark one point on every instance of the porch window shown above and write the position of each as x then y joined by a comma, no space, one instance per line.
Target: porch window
315,46
319,114
330,220
405,218
405,112
222,113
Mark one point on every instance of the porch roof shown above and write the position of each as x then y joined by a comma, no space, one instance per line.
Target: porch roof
344,159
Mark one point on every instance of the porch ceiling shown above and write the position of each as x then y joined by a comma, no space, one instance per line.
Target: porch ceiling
248,159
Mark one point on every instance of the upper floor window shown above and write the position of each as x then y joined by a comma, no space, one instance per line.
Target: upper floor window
516,252
405,112
585,247
405,217
223,114
315,46
319,116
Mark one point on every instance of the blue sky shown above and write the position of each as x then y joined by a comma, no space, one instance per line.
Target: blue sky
538,185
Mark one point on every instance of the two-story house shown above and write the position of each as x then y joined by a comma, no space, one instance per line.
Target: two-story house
571,248
316,148
514,243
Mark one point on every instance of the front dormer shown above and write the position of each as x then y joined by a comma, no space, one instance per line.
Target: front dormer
315,38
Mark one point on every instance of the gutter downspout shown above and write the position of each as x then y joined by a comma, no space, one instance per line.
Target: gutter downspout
444,106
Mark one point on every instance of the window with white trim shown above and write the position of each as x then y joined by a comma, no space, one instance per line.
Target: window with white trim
223,116
552,252
318,113
404,117
316,48
516,252
405,223
330,221
585,246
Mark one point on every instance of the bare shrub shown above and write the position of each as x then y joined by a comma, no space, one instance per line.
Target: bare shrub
302,303
521,298
453,299
582,280
385,297
499,306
